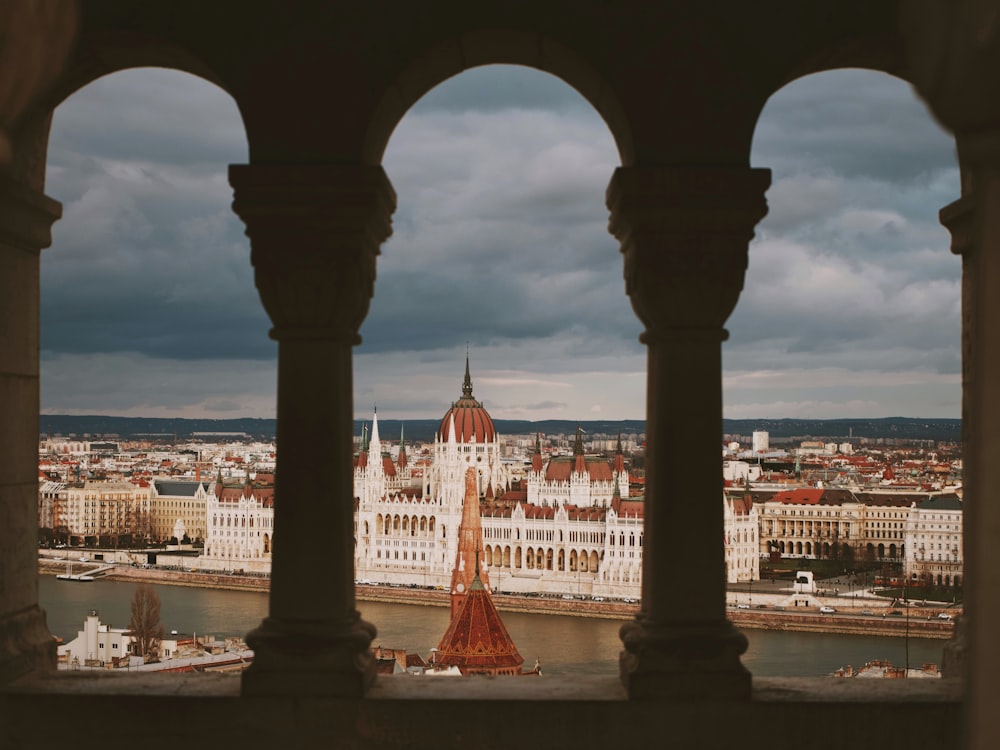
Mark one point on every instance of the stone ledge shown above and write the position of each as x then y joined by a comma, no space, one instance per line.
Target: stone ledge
484,688
204,710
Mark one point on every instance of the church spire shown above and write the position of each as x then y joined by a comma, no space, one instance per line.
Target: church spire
467,383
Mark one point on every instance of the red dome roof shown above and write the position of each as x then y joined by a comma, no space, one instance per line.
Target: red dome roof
471,419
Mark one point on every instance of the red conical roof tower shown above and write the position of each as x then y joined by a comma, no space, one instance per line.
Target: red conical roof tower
470,542
477,641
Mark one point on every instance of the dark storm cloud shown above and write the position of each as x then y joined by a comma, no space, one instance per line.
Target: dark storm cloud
851,301
888,132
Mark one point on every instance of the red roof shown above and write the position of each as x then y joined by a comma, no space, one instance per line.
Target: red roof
560,469
477,641
472,421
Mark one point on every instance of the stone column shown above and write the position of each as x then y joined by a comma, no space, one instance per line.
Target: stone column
684,233
26,218
315,232
981,407
958,218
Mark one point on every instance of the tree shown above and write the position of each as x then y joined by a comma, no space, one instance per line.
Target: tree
145,624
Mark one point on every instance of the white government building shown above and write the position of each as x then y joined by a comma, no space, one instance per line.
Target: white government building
568,527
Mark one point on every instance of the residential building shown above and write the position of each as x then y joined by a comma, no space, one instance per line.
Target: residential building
934,550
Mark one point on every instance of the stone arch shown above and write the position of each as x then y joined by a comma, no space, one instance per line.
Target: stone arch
473,49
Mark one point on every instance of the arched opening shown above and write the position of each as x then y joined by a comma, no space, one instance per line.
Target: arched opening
139,160
850,283
478,182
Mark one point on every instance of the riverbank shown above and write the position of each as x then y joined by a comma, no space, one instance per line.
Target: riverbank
865,616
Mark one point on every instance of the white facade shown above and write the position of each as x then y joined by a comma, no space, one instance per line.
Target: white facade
742,545
240,522
934,550
569,528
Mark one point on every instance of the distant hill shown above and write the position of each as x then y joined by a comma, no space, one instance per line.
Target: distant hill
905,428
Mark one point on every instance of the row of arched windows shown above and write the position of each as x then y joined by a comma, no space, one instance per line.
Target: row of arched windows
542,558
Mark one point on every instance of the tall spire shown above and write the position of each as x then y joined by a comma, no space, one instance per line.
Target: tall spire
470,543
467,383
376,444
619,464
580,462
536,457
401,459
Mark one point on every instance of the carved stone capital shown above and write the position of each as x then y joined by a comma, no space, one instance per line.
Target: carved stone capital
683,661
26,216
315,232
958,218
684,233
323,658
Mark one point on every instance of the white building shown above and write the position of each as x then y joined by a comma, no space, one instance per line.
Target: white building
240,526
741,529
569,527
934,541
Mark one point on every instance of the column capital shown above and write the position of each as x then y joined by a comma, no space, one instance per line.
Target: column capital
315,232
684,233
26,216
958,218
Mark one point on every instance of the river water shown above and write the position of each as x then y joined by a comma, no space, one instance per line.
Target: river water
564,645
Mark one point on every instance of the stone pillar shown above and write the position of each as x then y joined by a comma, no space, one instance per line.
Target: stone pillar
958,218
26,218
315,232
684,233
981,407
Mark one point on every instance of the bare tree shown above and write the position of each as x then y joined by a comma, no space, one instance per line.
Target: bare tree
145,624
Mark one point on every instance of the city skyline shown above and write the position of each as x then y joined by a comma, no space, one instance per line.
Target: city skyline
850,308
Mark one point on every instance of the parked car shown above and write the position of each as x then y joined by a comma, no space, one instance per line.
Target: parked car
867,612
826,610
742,606
944,616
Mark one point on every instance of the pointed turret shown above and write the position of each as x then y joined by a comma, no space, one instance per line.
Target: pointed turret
467,383
470,543
219,486
580,461
619,456
401,460
536,457
363,450
376,444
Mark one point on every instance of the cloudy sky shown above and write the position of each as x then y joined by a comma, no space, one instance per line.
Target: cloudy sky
850,308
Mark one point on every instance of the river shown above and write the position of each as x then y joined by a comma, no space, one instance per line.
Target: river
565,646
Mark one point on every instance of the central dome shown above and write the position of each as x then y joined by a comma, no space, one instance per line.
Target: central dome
471,419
